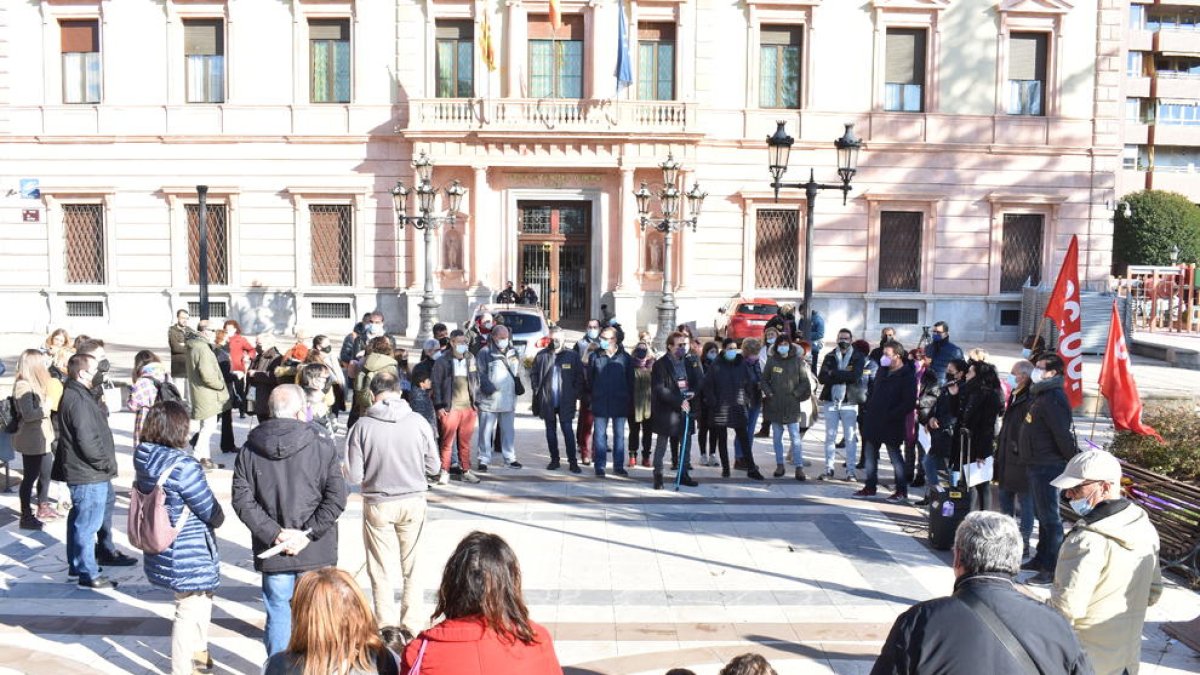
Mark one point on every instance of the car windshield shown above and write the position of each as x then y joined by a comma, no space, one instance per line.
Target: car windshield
756,308
520,322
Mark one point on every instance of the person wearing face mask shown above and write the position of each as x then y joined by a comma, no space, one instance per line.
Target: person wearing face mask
787,387
1033,347
177,336
261,375
508,296
842,393
942,424
241,355
557,380
86,460
726,394
770,337
87,345
324,348
1010,472
350,343
499,387
707,440
585,347
481,331
1108,571
639,420
314,378
751,351
884,416
1047,443
887,335
379,359
207,391
610,377
455,388
941,350
982,405
675,381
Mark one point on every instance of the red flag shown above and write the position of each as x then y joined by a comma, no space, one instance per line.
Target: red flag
1117,385
1064,310
555,15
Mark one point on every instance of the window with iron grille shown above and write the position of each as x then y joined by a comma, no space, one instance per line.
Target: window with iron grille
776,249
204,49
331,310
455,59
83,243
329,60
81,76
332,244
899,316
904,77
218,244
779,67
85,308
900,250
656,61
216,308
1021,251
1010,317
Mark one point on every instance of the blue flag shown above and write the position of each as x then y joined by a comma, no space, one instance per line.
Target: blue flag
624,71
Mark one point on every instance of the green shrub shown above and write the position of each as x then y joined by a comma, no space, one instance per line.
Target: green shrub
1157,221
1178,458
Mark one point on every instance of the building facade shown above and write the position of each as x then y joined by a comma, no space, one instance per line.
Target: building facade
992,134
1162,98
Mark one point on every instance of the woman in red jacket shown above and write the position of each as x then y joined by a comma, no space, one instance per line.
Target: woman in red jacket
486,619
241,354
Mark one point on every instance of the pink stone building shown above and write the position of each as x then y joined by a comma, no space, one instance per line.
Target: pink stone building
992,133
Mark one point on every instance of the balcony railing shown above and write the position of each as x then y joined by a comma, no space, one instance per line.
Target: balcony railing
550,115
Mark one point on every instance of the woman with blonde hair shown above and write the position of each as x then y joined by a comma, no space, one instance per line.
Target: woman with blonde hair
33,396
333,630
58,348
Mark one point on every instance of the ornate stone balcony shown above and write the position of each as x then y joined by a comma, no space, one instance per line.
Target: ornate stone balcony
550,116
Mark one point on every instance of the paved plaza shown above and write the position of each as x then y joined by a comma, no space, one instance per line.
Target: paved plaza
627,579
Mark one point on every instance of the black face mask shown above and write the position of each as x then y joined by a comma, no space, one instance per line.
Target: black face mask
328,385
639,353
98,378
103,366
327,349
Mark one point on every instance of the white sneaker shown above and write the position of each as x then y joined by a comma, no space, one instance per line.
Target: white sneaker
444,478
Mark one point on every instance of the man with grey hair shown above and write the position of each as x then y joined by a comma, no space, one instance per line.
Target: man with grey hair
289,491
986,625
499,387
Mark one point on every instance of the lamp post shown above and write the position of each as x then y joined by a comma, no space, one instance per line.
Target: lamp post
668,223
426,194
202,236
780,146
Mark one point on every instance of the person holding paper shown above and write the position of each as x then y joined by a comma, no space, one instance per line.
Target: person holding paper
982,404
288,480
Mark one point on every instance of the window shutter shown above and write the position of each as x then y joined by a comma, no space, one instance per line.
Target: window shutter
656,32
1027,56
203,37
80,36
905,56
455,30
540,28
780,35
329,29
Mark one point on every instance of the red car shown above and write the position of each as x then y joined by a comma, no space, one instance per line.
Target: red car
744,318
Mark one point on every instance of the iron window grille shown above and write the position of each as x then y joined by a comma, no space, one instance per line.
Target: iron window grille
81,309
216,308
331,310
777,248
899,316
900,251
84,243
332,229
218,244
1021,251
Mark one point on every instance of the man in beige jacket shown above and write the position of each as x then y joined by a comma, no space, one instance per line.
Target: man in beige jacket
1107,572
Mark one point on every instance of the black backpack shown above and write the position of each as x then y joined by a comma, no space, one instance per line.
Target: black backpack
10,416
167,391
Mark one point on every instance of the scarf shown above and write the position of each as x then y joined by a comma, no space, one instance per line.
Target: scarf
843,360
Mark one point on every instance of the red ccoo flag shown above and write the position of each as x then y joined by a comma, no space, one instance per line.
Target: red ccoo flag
1117,385
1064,310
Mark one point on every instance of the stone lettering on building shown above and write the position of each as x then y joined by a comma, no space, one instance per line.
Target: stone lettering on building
554,180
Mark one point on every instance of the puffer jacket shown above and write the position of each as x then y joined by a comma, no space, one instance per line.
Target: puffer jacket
981,408
1107,576
1047,435
36,432
192,562
498,375
787,389
206,384
465,646
372,366
727,392
1009,470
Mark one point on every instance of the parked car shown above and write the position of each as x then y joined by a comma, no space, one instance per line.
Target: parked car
530,330
743,318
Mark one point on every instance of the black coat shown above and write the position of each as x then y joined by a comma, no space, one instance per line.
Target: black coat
830,374
666,414
263,379
945,411
927,396
727,393
289,475
85,452
1047,435
610,381
443,381
946,637
981,407
1009,470
885,416
541,377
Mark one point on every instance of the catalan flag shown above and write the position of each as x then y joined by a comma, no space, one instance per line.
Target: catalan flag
487,49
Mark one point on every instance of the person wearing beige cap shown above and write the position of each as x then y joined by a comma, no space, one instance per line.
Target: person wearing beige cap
1107,572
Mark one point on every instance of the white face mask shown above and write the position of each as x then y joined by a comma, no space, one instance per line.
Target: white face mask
1037,375
502,344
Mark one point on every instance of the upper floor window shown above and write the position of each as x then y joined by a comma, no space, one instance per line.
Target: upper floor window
455,59
1137,17
1185,113
329,60
904,78
204,49
1177,66
1135,64
1171,17
779,67
81,61
1027,73
656,61
556,57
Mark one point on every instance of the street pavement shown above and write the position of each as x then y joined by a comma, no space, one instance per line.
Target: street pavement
628,580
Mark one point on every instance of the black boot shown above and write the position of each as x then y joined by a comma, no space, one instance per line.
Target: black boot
658,481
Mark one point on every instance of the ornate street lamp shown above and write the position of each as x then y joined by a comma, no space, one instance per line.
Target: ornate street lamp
668,223
426,195
779,146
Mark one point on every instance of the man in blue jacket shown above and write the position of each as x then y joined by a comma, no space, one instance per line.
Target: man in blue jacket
611,381
557,379
941,350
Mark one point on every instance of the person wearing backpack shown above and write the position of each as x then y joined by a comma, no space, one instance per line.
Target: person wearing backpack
189,566
378,359
33,437
151,384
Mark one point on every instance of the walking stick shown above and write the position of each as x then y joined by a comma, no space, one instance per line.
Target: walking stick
683,451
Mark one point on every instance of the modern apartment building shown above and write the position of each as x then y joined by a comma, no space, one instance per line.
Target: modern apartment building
991,128
1162,98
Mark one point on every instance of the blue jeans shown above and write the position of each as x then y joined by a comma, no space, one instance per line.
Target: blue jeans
896,454
794,435
932,464
89,527
847,417
277,600
566,422
600,443
1008,506
1045,503
751,422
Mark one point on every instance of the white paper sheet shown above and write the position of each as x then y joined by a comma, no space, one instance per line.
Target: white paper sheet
978,472
923,437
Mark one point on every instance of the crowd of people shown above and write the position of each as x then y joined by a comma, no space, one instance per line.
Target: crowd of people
937,411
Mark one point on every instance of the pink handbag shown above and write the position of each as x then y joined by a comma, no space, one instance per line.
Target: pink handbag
416,666
149,524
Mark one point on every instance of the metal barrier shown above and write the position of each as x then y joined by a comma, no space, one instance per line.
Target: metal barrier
1163,298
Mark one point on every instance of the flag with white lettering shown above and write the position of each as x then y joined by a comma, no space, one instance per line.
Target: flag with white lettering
1118,386
1064,309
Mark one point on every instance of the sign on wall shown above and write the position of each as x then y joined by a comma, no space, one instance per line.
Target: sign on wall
30,189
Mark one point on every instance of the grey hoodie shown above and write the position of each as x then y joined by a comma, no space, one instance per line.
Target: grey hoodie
390,451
